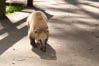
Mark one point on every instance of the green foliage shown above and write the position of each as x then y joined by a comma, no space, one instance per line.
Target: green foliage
12,9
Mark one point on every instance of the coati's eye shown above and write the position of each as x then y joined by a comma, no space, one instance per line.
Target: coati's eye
36,31
46,27
47,31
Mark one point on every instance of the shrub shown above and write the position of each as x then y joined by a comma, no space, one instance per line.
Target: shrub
12,9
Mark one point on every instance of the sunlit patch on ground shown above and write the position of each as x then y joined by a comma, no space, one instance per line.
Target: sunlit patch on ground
19,16
3,36
21,26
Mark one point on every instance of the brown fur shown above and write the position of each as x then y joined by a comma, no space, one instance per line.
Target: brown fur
37,21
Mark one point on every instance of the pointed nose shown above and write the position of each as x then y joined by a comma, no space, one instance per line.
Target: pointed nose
43,43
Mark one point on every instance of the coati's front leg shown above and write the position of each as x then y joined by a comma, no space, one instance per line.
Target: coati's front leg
32,41
43,47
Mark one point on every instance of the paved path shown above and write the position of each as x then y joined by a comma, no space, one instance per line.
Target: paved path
74,35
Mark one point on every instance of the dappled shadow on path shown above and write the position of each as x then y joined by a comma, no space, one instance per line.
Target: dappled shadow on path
79,26
49,16
9,35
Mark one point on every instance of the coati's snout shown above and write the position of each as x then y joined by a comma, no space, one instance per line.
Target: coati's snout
42,43
42,39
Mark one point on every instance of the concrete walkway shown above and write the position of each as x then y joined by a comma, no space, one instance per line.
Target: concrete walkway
74,35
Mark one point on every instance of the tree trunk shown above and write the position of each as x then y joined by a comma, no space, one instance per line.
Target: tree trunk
2,8
30,3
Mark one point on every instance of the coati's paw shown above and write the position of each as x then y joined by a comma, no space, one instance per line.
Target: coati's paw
43,49
34,45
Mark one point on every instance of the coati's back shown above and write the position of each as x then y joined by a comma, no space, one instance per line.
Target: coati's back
40,20
37,20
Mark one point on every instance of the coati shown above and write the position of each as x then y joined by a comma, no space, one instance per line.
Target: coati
38,32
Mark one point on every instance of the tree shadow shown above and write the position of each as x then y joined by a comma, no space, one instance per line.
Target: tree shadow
50,53
13,36
94,0
49,16
78,4
73,2
32,7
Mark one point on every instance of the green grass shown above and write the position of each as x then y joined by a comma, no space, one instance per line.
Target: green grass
12,9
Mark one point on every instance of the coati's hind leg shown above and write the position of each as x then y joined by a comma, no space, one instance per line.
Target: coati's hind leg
32,41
